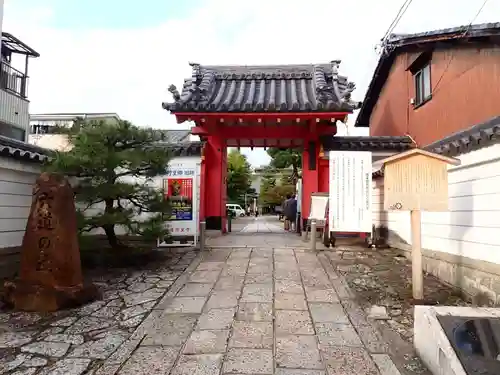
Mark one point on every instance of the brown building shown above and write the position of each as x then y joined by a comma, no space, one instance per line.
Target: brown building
432,84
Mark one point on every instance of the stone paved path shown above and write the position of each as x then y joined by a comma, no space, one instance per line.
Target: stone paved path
263,225
253,304
260,310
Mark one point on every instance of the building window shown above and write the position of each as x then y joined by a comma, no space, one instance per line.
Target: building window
422,84
13,132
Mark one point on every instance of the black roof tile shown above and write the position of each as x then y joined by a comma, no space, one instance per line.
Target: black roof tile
185,149
175,136
23,151
464,141
366,143
467,140
278,88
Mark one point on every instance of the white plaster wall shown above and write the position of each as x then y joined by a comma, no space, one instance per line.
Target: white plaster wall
157,182
471,228
57,142
16,185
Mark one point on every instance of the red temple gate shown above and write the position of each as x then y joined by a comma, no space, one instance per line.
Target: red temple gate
286,106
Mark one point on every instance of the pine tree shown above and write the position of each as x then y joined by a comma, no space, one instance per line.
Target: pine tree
114,165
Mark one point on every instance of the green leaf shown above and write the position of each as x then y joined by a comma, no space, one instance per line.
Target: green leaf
239,177
114,164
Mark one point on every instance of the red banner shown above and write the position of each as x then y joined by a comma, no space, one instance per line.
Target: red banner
179,187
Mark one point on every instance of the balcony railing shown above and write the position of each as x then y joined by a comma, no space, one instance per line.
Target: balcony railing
12,80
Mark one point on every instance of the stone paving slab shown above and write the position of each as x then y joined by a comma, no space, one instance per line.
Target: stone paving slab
248,321
268,309
77,341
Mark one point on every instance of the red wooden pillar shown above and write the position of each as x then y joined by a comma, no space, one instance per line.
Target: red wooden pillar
223,187
203,184
310,174
323,176
215,182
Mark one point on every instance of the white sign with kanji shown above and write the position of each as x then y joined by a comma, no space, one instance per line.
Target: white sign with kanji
350,208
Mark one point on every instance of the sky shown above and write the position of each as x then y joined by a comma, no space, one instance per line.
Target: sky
120,56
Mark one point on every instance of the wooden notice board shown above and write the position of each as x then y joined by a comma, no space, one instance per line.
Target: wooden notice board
416,180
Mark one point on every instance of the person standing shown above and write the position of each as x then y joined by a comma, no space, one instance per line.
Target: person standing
285,212
292,212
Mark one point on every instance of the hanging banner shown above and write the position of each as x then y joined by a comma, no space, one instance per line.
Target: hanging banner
350,196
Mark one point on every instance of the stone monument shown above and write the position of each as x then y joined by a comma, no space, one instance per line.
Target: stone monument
50,276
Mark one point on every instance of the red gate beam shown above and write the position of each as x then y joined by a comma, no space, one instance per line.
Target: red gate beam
254,117
263,132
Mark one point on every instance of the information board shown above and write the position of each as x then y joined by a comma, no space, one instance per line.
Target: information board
180,187
319,206
350,208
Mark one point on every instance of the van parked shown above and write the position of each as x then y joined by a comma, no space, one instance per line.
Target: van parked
236,208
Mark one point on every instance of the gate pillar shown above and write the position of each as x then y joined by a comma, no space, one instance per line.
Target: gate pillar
214,179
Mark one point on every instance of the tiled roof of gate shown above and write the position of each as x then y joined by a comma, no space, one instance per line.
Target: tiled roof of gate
273,88
23,151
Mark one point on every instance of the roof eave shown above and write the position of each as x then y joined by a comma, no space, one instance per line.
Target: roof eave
23,48
395,46
23,151
379,77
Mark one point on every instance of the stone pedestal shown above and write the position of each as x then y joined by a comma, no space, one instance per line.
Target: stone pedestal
34,297
50,276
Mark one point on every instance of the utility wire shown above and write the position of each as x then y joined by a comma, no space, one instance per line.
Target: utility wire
477,15
395,21
463,35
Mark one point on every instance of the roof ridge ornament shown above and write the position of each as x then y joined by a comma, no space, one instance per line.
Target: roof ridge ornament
196,69
335,81
175,93
323,90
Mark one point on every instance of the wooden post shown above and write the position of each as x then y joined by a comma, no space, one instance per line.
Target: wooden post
416,255
416,180
203,226
313,235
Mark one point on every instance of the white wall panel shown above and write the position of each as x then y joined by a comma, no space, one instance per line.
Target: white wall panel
471,226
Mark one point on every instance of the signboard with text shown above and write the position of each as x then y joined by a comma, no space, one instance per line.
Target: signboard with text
179,192
181,188
350,207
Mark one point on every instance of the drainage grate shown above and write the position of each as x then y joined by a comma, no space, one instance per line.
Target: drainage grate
476,342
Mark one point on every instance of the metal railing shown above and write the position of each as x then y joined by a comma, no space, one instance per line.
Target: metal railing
12,80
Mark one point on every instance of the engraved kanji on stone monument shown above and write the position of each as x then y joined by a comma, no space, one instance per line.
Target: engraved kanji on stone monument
44,222
50,277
